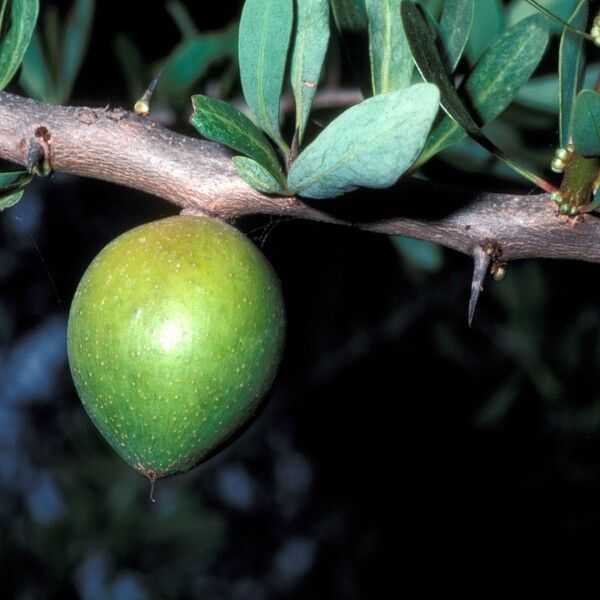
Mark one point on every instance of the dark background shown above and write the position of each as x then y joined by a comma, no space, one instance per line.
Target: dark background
397,442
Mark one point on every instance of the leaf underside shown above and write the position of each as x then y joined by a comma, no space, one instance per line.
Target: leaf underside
257,176
369,145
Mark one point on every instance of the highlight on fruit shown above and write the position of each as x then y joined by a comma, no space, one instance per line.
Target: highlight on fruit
174,337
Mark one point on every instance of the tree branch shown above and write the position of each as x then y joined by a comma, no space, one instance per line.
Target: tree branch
117,146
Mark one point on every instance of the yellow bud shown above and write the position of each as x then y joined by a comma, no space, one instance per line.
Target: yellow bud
142,108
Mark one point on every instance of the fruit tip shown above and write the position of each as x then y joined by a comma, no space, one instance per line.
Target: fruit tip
152,478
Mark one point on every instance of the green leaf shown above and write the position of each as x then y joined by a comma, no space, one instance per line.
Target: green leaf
14,180
562,9
265,30
13,47
470,157
595,204
391,61
455,27
542,93
76,37
49,72
257,176
3,8
432,7
133,67
310,47
349,15
570,68
52,29
180,14
36,78
370,145
11,187
497,405
586,123
422,254
8,200
488,24
220,122
492,85
190,60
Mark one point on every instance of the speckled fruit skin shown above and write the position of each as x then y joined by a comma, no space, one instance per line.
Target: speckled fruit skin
175,333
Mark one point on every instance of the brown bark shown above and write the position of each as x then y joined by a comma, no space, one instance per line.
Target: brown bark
118,146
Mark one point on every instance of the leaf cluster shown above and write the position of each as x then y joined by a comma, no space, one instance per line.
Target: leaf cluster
371,144
473,59
396,130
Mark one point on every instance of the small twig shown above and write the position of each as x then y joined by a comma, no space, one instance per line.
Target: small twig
325,98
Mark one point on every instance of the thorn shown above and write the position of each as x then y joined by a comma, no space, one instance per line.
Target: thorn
480,267
142,106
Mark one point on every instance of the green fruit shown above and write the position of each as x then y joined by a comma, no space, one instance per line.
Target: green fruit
175,334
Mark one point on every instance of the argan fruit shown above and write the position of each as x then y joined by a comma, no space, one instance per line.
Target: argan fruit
175,334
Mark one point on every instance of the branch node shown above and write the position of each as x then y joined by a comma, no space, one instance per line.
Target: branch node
481,261
85,115
38,153
195,212
35,155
